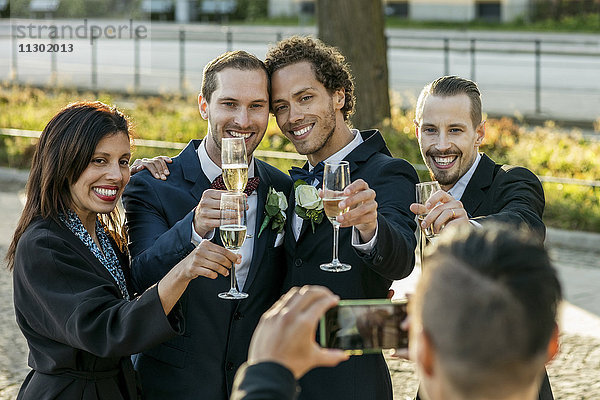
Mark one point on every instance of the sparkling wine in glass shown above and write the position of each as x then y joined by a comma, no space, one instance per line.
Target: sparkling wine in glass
424,192
234,163
336,176
233,234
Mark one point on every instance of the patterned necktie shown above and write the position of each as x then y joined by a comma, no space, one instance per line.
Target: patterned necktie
219,184
308,176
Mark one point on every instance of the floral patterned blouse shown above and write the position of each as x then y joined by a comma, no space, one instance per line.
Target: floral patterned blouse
107,256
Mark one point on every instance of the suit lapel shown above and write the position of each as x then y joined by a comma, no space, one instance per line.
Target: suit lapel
192,170
91,259
372,143
193,174
475,191
260,243
305,224
290,240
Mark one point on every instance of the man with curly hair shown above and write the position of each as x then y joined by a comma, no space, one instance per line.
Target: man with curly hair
312,99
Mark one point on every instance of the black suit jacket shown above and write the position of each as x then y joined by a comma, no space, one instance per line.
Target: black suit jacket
264,381
371,275
79,329
200,364
505,193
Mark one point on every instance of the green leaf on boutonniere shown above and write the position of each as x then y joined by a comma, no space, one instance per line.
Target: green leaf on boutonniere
278,223
315,216
275,207
298,183
302,212
272,206
264,224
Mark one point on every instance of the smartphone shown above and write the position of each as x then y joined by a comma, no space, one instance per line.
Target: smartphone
364,326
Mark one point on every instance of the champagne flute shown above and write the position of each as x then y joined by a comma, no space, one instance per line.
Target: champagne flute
424,192
234,163
336,176
233,234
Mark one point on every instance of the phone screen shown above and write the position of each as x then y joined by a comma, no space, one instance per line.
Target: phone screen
364,326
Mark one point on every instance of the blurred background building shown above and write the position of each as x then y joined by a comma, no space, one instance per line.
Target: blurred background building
184,11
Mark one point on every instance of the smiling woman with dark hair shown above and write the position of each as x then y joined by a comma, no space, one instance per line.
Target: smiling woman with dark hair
72,294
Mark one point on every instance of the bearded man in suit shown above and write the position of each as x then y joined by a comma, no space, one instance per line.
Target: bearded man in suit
167,219
476,190
312,99
450,129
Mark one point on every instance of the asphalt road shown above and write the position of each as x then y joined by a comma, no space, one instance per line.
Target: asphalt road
505,64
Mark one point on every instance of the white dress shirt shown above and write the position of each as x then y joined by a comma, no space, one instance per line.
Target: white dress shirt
212,171
339,156
460,186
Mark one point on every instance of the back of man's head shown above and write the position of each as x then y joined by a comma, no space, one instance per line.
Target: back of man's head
238,59
487,304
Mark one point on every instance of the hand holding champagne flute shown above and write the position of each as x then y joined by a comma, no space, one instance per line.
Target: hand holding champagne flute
233,234
424,192
336,176
234,163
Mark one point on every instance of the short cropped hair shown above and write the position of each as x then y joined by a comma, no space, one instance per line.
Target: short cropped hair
488,301
447,86
328,64
232,59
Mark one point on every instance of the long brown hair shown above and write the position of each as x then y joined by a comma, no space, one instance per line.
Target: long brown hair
63,152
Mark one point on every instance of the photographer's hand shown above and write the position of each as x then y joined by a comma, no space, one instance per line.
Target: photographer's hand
286,332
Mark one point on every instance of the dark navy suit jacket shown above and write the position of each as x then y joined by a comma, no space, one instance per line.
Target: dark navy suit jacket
505,193
202,362
367,376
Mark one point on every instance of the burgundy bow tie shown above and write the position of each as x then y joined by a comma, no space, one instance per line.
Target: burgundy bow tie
219,184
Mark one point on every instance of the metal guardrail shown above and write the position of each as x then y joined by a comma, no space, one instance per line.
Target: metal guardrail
159,144
282,155
450,45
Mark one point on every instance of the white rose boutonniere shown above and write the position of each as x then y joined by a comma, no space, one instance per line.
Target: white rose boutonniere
274,211
309,206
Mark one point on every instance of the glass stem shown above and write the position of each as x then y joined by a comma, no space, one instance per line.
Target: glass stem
336,233
232,277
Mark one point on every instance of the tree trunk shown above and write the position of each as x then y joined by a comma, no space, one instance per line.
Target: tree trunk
356,28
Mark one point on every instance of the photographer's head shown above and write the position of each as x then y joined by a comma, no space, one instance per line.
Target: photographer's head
485,315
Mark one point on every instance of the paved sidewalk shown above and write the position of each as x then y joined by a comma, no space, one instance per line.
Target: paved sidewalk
574,374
